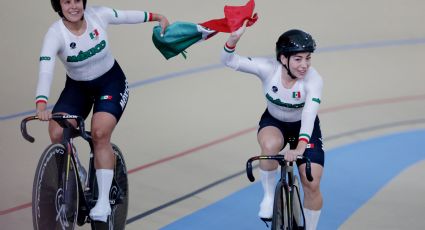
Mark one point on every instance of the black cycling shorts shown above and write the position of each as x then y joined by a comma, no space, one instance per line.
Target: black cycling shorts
291,132
107,93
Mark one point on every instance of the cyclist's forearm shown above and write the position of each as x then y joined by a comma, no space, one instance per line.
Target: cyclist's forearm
302,145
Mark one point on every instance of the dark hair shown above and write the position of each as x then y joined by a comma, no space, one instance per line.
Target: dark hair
58,9
294,41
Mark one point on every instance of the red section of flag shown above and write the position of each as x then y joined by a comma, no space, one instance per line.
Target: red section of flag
234,17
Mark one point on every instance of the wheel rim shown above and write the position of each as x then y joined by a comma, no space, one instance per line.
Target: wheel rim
50,211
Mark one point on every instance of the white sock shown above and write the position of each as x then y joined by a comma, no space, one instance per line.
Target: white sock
268,180
311,218
104,182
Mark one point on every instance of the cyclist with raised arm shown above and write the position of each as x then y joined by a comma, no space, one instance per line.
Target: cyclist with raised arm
94,79
293,91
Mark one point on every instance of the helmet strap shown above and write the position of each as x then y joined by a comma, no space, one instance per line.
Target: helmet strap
289,71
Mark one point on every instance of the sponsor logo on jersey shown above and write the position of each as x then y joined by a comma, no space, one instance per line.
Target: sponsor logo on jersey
72,45
83,55
124,96
45,58
274,89
277,101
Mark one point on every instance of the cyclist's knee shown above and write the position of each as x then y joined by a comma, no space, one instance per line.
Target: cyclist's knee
311,188
55,132
271,146
100,135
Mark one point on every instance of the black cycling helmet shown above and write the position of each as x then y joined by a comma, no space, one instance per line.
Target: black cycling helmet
58,9
294,41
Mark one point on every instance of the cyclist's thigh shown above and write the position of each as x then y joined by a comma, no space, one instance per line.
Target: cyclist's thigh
270,135
112,92
75,99
270,139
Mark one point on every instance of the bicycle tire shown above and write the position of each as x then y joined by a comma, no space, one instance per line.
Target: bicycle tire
119,194
298,219
55,199
280,212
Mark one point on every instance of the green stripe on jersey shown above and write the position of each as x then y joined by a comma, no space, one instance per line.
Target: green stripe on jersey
228,50
146,16
304,135
316,100
280,103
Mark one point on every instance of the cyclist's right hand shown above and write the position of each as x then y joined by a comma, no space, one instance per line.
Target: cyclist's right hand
44,115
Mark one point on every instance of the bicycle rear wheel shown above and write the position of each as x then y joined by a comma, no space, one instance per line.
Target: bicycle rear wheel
118,195
280,215
55,193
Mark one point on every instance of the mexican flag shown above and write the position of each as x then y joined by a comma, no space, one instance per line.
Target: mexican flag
180,35
296,95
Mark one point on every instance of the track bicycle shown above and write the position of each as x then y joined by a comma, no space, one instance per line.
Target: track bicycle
64,192
288,213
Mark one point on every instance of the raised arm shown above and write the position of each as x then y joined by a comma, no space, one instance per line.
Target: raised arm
113,16
262,67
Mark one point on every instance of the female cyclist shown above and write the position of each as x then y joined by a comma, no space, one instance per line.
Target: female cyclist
93,79
293,92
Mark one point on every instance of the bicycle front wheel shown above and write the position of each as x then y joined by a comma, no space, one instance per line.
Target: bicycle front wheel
280,215
55,190
298,220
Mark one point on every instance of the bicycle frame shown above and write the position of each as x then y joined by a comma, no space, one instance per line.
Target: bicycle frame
85,197
286,182
69,133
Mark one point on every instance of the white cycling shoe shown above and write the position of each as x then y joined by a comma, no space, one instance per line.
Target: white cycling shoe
266,209
100,212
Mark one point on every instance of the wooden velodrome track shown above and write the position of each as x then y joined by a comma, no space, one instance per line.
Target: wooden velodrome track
190,123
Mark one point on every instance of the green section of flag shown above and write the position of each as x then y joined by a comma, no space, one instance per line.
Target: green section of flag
176,39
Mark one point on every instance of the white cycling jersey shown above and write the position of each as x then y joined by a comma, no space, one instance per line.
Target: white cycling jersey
300,102
85,57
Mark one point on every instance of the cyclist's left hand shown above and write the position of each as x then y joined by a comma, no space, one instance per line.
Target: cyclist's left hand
292,154
164,23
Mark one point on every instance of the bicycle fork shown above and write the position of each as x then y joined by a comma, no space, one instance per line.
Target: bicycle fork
288,169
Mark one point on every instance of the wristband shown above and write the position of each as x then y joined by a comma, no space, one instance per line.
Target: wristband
229,49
